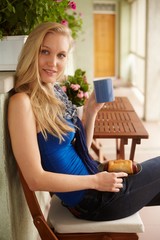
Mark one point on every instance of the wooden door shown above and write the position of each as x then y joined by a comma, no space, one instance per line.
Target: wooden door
104,45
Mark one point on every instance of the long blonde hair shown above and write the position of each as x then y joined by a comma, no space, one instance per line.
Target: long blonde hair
48,110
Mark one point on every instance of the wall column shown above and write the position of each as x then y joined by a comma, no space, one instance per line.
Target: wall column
152,88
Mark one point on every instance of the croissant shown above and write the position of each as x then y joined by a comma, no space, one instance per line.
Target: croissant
121,165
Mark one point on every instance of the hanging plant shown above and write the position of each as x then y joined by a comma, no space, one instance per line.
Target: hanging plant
19,17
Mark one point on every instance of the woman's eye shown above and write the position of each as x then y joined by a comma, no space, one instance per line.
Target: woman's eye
45,52
61,55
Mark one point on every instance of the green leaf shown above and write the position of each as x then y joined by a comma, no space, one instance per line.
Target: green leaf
27,14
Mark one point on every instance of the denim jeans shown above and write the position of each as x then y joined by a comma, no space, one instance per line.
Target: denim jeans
139,190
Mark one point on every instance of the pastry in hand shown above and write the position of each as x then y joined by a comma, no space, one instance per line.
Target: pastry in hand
121,165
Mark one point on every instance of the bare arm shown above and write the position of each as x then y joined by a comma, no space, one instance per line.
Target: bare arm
91,111
23,133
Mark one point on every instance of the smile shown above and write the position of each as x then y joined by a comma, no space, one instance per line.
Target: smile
50,72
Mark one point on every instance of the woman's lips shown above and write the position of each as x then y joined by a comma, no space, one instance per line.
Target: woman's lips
50,72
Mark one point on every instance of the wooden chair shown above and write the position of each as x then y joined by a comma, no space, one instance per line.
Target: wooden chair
62,225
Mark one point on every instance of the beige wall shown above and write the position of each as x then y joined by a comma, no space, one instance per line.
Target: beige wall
124,45
83,53
5,210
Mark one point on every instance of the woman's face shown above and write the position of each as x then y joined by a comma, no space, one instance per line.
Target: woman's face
53,57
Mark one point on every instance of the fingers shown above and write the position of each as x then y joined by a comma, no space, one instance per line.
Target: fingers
122,174
110,181
118,185
118,181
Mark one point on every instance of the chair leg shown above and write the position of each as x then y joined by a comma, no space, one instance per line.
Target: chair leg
97,149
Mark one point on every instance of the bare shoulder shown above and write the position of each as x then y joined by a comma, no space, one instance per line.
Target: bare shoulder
20,99
19,108
19,103
20,115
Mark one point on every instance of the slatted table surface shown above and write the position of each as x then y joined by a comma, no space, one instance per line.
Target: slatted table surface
120,104
120,125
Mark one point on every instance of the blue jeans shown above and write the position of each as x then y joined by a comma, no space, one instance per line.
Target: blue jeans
139,190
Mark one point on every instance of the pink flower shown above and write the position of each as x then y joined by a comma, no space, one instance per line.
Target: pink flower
72,5
64,88
80,94
64,22
86,95
75,87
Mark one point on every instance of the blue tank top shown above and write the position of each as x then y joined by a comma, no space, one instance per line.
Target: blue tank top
62,158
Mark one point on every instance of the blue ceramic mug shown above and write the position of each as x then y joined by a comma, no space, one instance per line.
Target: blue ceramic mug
103,90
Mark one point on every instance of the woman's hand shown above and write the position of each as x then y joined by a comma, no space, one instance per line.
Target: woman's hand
92,106
110,182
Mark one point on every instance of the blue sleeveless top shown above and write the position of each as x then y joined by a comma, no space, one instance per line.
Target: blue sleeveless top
62,158
65,157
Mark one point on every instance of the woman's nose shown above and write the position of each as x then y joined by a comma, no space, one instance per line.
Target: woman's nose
52,61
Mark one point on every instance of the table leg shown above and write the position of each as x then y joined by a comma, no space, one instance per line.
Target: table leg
120,147
133,147
117,148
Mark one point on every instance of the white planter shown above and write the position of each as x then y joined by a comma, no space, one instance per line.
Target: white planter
80,112
10,48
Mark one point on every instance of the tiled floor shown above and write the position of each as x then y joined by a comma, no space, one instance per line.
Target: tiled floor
147,149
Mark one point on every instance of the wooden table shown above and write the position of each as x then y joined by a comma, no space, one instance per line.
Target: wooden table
120,124
120,104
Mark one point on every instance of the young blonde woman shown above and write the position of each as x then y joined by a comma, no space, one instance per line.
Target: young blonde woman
51,145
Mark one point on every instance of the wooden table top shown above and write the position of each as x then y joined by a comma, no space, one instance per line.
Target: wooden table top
120,104
118,124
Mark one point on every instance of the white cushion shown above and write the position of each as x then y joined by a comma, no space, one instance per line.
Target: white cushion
63,221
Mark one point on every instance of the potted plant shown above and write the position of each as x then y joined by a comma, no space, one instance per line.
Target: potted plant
18,18
77,89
